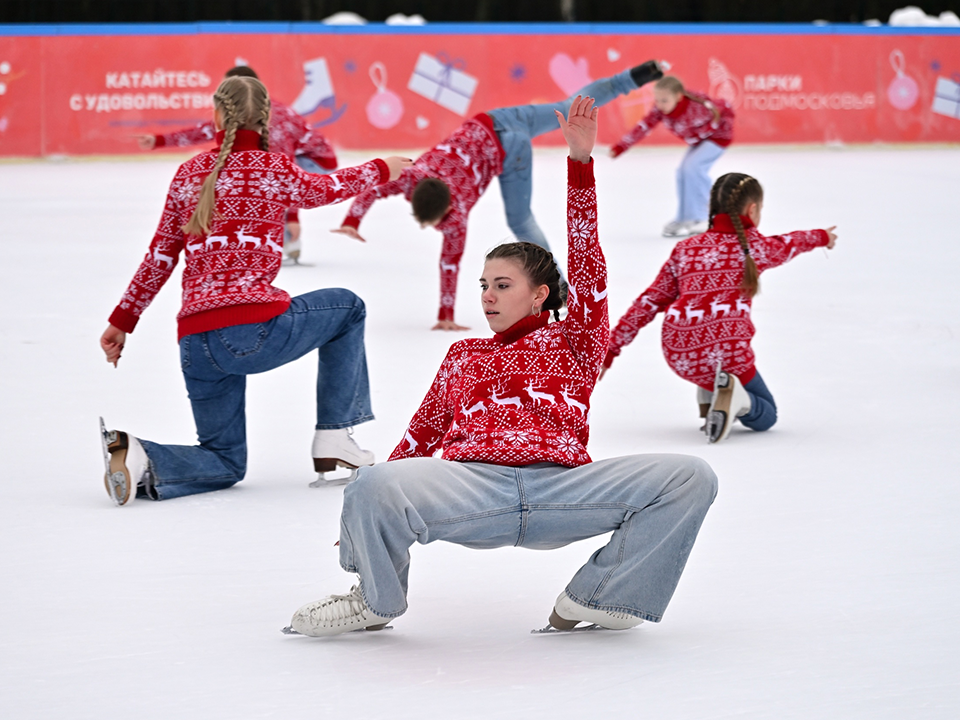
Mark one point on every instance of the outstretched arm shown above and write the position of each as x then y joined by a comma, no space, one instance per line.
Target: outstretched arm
587,326
638,133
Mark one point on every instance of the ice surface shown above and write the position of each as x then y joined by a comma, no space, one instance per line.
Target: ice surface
824,583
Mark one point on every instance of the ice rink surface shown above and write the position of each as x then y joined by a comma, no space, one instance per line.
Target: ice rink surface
824,583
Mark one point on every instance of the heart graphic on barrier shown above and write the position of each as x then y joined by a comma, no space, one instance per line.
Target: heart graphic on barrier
568,74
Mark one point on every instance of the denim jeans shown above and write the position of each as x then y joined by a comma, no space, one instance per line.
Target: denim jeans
516,127
693,181
215,365
653,504
763,409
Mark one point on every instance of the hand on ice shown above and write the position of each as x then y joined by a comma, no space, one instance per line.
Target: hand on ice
448,325
350,232
111,342
580,128
832,235
397,165
146,142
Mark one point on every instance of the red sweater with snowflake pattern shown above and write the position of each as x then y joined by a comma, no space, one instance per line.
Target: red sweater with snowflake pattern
466,161
228,275
708,318
290,135
523,396
691,121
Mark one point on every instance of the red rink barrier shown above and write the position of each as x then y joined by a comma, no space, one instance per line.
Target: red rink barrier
66,90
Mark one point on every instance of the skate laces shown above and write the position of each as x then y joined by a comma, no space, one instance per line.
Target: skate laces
340,607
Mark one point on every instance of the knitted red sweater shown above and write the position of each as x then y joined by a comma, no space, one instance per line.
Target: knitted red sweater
228,274
690,121
708,318
466,161
523,396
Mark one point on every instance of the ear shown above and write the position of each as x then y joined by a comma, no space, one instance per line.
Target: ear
753,212
541,294
217,119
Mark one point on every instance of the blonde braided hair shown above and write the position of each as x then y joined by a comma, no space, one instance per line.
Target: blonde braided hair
731,194
243,104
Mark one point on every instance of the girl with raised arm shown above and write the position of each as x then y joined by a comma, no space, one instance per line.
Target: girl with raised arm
510,415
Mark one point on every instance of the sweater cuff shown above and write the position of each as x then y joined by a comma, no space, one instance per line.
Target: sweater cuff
580,175
351,221
159,141
327,162
123,320
824,238
611,354
293,215
384,171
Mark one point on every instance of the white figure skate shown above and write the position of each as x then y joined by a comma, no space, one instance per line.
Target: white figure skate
337,448
335,615
125,463
730,401
567,616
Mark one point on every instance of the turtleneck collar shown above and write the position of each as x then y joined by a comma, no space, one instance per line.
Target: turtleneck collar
680,108
723,224
522,327
245,140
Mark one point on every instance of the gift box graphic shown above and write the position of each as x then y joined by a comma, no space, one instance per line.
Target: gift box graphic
946,100
443,81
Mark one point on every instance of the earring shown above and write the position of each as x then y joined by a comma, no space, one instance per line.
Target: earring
536,311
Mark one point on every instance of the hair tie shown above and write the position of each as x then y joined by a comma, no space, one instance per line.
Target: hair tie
746,250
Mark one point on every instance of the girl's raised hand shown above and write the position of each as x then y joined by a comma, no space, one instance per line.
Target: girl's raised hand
579,128
833,237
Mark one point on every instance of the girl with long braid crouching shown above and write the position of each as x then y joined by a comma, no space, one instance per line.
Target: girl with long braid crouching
225,211
706,289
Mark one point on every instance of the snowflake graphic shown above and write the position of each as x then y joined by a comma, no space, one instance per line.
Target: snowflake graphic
568,445
710,258
543,339
583,226
246,281
187,192
516,436
683,365
229,183
270,185
713,357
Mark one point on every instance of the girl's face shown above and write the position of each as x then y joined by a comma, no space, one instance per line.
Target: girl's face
507,295
665,100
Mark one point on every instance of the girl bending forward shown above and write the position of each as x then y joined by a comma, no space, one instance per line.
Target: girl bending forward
225,212
510,414
706,289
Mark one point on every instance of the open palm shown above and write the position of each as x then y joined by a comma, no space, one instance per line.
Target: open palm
579,128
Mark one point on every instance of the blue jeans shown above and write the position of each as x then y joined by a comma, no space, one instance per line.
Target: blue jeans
693,181
516,127
653,504
215,365
763,409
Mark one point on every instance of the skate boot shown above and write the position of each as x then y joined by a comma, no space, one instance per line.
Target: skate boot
126,464
334,615
675,228
337,448
291,252
696,227
649,71
567,614
730,401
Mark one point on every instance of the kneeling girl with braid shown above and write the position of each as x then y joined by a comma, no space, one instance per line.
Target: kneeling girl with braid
510,415
706,289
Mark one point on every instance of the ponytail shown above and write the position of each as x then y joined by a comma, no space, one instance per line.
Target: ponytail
731,194
243,104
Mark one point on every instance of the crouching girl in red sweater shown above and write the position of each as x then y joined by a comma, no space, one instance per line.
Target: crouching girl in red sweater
510,415
225,212
706,289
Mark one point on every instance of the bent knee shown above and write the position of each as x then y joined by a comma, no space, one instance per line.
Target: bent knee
701,477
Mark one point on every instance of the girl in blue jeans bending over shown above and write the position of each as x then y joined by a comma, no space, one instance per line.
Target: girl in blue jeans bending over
510,415
225,212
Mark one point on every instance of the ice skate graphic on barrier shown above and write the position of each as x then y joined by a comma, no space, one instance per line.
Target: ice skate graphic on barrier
443,81
318,93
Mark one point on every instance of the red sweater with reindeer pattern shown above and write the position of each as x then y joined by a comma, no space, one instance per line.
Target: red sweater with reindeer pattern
708,318
467,162
228,274
691,121
523,396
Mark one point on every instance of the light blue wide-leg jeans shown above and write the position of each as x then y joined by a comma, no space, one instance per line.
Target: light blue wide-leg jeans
653,504
215,365
516,127
693,181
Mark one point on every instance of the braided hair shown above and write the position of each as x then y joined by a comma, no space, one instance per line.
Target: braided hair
732,194
243,104
540,268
